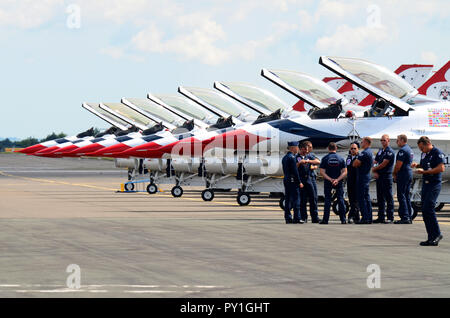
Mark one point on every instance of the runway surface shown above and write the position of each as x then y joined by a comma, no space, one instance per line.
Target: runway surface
57,212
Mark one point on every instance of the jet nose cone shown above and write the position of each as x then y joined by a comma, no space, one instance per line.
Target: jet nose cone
65,150
31,149
114,151
45,151
87,150
142,151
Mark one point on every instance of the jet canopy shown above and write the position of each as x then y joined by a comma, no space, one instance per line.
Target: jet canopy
154,109
307,88
373,78
127,114
253,94
95,109
223,103
188,107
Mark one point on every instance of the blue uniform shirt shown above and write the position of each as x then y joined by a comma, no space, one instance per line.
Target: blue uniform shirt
406,156
383,154
312,156
290,168
366,158
430,161
333,164
303,170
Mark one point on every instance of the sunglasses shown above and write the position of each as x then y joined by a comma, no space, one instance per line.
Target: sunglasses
353,148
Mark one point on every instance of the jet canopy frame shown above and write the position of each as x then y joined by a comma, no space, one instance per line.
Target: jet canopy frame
373,78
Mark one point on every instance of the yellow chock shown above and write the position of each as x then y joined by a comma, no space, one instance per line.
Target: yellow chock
122,187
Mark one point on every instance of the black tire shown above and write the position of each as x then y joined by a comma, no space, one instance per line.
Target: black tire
152,188
282,203
129,187
334,206
207,195
243,199
177,191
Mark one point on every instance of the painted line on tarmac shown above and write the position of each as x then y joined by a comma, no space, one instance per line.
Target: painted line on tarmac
111,189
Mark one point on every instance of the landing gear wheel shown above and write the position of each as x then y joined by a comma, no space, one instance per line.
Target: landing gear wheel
129,187
282,203
243,199
207,195
335,207
177,191
152,188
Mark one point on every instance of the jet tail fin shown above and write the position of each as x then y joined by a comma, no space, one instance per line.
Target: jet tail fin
438,85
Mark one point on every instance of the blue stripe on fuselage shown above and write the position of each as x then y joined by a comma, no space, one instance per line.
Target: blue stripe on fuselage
317,137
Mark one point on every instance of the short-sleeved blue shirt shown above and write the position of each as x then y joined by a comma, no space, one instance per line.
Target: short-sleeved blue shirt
430,161
387,154
312,156
366,158
406,156
303,170
333,164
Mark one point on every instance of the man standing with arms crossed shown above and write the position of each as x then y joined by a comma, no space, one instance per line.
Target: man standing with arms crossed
382,172
431,168
403,176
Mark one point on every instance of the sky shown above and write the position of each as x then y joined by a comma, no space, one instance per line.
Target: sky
58,54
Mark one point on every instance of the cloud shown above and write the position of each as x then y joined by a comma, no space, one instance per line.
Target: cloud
352,40
27,14
429,57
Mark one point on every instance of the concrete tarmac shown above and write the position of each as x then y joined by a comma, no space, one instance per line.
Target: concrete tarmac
58,212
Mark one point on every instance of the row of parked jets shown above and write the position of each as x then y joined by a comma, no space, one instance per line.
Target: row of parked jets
234,135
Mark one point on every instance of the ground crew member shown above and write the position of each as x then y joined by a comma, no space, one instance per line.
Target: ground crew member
382,172
292,185
352,180
307,192
315,162
431,168
333,171
403,176
364,163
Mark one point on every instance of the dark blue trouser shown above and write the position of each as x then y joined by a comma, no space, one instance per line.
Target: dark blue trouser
385,197
352,192
403,196
307,194
365,204
430,193
291,201
339,197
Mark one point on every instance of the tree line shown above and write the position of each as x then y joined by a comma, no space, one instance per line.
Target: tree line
7,143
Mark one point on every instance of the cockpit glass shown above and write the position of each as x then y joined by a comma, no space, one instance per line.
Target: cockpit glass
376,75
219,100
187,106
257,96
156,110
311,87
129,113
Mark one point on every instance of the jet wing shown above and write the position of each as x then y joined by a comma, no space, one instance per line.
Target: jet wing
309,89
97,111
375,79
